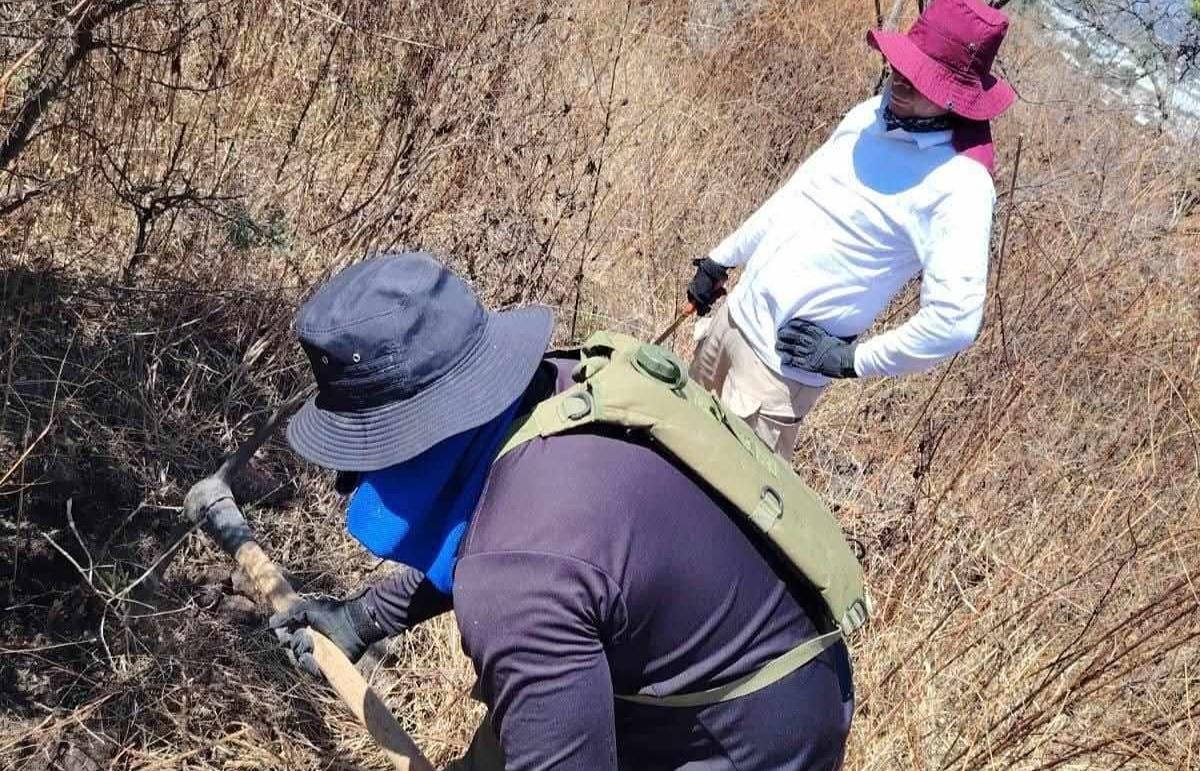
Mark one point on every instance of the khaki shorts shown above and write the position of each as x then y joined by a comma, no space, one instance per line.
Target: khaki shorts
771,404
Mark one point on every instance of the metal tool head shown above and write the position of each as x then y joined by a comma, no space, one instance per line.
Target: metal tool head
247,449
210,504
203,495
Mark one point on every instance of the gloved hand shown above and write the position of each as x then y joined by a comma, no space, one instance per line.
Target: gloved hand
705,287
203,495
807,346
346,622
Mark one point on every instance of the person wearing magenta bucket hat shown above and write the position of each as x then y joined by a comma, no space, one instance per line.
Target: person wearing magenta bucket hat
580,607
903,187
947,55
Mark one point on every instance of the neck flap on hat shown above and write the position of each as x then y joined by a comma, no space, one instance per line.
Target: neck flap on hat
974,140
417,512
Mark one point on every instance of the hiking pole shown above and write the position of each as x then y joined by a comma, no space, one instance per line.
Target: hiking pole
684,312
224,521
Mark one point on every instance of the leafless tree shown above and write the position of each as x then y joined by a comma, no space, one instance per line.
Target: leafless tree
1149,44
57,42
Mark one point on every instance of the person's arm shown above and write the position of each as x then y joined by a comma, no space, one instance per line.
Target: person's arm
531,625
737,247
953,249
394,605
404,599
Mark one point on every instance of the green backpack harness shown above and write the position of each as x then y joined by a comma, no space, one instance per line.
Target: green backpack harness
623,382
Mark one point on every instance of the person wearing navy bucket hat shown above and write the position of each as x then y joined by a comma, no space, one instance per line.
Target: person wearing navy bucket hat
903,187
560,555
405,357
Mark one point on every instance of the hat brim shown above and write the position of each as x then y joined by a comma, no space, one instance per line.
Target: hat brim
991,97
478,389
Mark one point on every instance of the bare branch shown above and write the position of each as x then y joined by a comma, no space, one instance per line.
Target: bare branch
12,203
42,95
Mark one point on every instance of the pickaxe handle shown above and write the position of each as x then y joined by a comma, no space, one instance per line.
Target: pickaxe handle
349,683
684,312
225,522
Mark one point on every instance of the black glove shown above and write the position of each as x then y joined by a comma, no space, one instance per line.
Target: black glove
705,287
346,622
805,345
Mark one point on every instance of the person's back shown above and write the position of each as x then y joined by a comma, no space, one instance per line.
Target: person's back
594,567
586,570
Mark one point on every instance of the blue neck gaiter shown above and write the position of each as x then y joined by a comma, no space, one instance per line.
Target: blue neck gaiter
417,512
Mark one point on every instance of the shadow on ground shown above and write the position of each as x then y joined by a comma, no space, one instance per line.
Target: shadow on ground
112,402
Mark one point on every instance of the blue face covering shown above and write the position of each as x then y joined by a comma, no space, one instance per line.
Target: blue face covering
417,512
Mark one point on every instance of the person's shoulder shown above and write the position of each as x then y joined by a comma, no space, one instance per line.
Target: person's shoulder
964,177
863,114
553,493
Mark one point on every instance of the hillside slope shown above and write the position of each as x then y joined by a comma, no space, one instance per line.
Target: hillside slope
1030,512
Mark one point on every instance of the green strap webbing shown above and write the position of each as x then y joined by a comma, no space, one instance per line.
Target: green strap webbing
569,409
768,675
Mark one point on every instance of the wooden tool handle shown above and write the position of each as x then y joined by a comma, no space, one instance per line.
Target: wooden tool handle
349,683
684,312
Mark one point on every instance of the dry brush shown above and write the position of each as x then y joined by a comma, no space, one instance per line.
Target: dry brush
176,176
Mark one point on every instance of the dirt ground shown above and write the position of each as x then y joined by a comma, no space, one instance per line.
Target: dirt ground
1030,511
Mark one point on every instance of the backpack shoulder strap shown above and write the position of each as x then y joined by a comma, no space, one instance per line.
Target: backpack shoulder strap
569,409
621,381
769,674
563,411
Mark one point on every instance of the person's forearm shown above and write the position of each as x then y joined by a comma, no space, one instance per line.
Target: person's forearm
739,246
403,600
735,249
917,345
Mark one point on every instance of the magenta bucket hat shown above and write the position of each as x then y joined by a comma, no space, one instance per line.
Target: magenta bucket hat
948,55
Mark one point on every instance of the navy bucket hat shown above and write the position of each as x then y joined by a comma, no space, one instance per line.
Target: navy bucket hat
404,357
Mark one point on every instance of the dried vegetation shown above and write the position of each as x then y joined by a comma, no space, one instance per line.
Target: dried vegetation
175,176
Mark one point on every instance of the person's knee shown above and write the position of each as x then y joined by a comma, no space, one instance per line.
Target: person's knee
705,368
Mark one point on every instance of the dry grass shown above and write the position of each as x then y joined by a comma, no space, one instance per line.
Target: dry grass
1030,511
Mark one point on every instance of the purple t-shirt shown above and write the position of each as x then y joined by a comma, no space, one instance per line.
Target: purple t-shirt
595,566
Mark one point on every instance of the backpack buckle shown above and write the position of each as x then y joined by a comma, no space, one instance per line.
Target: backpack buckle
769,509
576,407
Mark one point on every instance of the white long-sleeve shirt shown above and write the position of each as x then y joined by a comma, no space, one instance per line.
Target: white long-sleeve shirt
865,213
